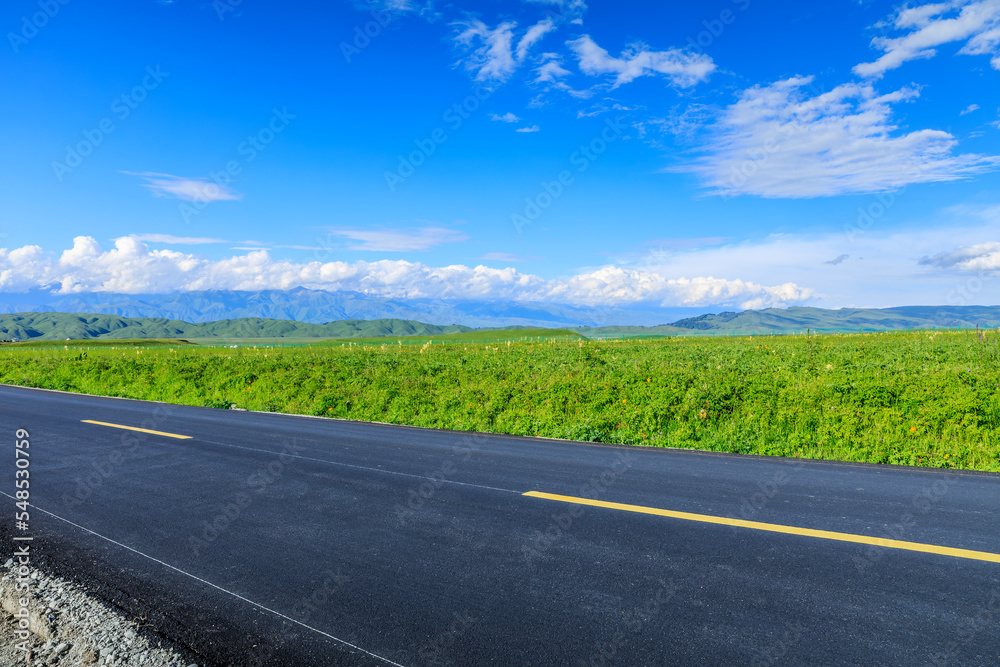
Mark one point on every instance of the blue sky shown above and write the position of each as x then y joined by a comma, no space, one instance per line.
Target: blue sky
725,154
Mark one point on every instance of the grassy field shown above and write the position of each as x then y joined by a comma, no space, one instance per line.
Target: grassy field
483,336
109,344
919,398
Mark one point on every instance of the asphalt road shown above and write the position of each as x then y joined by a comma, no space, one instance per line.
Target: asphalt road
279,540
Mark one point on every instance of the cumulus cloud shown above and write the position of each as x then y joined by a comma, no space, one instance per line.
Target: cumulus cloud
506,118
494,54
529,129
969,109
132,268
500,257
928,26
176,240
400,240
778,141
682,68
195,189
978,257
615,285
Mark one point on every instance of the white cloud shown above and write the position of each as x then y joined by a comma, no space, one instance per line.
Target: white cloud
394,7
978,257
195,189
969,109
615,285
682,68
492,53
132,268
506,118
551,73
529,129
932,25
884,266
501,257
176,240
873,267
551,69
572,10
24,268
777,141
400,240
533,36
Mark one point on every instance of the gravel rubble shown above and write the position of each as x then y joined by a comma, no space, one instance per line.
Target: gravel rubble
70,627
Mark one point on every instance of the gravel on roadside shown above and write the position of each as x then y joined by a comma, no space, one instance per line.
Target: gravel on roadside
70,627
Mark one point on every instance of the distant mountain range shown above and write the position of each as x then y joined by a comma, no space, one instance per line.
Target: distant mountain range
318,307
820,319
58,326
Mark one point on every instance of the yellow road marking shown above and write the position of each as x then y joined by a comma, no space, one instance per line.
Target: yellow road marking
776,528
141,430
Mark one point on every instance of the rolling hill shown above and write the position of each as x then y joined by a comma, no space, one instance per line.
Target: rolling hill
818,319
59,326
75,326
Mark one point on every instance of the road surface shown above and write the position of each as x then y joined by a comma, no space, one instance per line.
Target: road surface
268,539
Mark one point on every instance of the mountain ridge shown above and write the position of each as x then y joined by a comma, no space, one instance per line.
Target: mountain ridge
58,326
319,307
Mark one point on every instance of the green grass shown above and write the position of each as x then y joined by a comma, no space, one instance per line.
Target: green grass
60,326
481,336
139,342
918,398
259,342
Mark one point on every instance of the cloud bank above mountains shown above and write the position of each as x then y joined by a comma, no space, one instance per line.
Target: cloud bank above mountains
131,267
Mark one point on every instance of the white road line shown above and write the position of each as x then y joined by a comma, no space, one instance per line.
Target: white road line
425,478
209,583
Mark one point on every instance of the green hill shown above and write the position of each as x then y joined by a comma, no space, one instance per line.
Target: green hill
74,326
904,317
61,326
818,319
